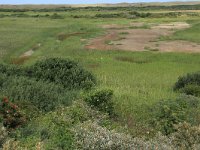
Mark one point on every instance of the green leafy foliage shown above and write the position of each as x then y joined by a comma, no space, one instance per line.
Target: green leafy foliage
51,129
62,71
101,100
59,71
168,113
55,129
191,89
193,78
38,95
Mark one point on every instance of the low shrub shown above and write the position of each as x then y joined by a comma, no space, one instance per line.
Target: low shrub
191,89
11,70
193,78
89,135
11,115
101,100
62,71
166,114
187,136
39,95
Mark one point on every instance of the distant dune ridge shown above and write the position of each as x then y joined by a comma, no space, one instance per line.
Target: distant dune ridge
30,6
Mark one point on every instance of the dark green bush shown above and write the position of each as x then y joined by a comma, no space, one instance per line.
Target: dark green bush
11,70
191,89
102,100
168,113
38,94
62,71
193,78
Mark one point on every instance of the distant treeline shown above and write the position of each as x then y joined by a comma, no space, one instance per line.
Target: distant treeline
128,8
24,15
127,15
136,14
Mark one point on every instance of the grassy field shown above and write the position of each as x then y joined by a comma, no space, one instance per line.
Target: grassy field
138,79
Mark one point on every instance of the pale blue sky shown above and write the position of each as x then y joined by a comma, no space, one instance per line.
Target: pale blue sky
77,1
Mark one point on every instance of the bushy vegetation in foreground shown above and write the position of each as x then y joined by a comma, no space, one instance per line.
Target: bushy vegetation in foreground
58,71
168,113
39,115
142,98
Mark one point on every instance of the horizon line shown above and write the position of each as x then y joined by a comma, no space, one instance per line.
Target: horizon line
166,1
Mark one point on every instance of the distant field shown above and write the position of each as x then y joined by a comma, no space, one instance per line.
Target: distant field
138,79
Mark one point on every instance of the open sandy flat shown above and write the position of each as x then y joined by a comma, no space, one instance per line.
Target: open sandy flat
120,37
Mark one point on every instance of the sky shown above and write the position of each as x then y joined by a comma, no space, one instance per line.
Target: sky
78,1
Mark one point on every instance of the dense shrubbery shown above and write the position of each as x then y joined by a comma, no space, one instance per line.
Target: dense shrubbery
61,71
54,129
191,89
101,100
135,14
189,84
12,70
193,78
187,136
166,114
116,15
37,94
90,135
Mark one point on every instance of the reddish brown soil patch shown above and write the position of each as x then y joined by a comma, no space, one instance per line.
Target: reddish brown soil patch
24,57
143,39
133,60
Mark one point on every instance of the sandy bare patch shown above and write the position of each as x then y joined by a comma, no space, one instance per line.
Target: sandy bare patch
177,46
25,56
137,24
100,42
139,39
113,26
28,53
173,25
143,39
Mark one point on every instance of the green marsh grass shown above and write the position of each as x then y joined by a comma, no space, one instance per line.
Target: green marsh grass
138,79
